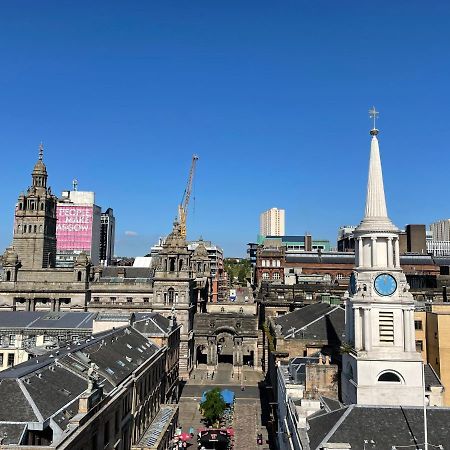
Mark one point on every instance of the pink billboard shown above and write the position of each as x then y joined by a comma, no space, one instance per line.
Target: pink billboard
74,227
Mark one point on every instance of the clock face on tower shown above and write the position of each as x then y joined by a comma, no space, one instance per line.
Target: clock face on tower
385,284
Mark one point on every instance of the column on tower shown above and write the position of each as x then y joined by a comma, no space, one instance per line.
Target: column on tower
367,330
389,253
397,253
374,251
357,328
360,252
408,320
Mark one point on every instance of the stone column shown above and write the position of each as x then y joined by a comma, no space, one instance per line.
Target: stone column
406,330
374,252
390,253
409,328
367,330
397,253
360,252
357,328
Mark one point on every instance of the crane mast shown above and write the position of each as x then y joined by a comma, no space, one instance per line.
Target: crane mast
183,206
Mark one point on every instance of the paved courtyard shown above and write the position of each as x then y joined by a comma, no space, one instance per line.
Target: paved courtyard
248,412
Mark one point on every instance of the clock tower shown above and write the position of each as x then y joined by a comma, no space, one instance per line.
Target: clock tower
380,365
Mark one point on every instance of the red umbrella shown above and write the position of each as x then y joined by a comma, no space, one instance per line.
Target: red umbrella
230,431
184,436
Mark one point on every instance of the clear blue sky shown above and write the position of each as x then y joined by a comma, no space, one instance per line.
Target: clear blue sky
273,96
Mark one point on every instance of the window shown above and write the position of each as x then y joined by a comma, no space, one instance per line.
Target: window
129,299
278,263
389,377
47,339
419,346
10,359
112,299
12,339
1,359
418,324
171,295
96,299
146,299
265,275
276,276
1,340
263,263
386,327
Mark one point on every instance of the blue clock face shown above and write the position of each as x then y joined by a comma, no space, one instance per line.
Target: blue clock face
385,284
352,284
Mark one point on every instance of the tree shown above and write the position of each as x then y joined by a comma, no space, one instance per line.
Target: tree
213,407
242,275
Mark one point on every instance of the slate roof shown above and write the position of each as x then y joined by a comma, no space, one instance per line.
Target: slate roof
386,426
129,272
50,386
153,324
318,321
11,432
13,399
431,378
41,319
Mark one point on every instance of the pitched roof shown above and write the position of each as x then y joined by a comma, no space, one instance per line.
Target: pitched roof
50,386
41,319
386,426
318,321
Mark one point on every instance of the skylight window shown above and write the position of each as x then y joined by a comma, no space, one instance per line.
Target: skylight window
110,371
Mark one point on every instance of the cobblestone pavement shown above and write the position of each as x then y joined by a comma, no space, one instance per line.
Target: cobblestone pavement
247,415
247,424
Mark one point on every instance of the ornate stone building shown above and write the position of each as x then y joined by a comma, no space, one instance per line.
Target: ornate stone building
179,283
228,334
35,221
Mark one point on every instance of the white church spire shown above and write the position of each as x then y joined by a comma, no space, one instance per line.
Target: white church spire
375,216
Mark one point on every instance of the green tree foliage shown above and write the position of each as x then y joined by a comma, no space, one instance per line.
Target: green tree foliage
213,407
239,268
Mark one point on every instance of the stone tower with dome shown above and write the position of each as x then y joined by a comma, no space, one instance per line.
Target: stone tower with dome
380,365
34,238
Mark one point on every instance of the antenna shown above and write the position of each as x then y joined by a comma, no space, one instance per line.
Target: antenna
75,184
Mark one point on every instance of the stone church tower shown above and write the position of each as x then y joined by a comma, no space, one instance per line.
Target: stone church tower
381,365
34,238
173,291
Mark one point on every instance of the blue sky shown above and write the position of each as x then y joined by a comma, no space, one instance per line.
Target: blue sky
273,97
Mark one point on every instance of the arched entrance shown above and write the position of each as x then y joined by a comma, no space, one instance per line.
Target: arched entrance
225,348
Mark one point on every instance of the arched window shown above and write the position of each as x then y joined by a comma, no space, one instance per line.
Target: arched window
8,275
171,295
391,377
29,228
35,228
79,275
172,265
265,275
180,265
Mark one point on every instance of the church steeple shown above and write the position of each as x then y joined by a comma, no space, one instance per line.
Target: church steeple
375,215
383,367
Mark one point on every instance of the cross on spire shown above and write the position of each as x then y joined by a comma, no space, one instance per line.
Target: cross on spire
41,151
373,114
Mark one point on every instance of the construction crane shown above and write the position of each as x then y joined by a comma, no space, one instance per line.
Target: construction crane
183,206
